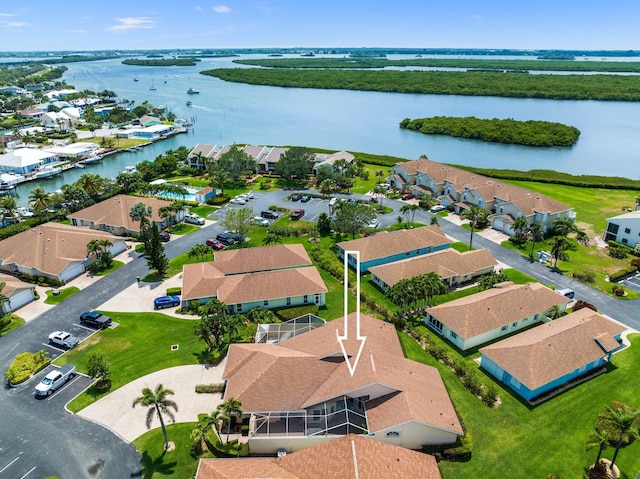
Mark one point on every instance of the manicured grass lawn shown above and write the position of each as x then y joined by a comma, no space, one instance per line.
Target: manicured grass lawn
365,186
586,258
59,298
116,265
517,440
139,345
16,322
182,229
202,210
179,463
592,205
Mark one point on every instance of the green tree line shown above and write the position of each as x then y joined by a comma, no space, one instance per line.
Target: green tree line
510,131
24,75
514,85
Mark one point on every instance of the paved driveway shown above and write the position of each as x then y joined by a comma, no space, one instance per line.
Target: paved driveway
114,411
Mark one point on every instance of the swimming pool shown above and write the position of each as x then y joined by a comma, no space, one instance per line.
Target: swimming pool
174,196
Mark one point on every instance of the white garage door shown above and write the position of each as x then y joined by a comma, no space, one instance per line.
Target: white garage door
19,299
72,271
118,248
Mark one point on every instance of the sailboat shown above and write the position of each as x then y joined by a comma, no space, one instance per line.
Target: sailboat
153,85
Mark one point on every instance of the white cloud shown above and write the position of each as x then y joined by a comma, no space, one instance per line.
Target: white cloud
221,9
132,23
76,31
477,16
199,8
14,24
7,15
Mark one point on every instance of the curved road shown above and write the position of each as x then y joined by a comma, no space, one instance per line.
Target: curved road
38,438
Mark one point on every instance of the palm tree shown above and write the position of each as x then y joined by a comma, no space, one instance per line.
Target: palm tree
93,247
563,226
200,160
520,225
327,186
104,244
559,245
535,233
230,408
379,175
600,439
475,215
409,212
3,298
90,183
622,419
271,239
140,212
8,205
40,199
434,285
158,403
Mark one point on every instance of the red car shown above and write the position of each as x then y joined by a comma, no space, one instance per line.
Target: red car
408,196
214,244
297,214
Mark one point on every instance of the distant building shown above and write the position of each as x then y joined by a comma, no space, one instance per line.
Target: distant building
25,160
624,229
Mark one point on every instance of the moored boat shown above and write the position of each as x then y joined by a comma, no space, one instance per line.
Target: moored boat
193,91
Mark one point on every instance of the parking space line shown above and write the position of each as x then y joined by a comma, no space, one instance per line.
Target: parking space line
32,469
8,465
53,347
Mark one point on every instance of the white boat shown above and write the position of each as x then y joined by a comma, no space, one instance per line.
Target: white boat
47,172
129,169
193,91
93,159
79,165
4,186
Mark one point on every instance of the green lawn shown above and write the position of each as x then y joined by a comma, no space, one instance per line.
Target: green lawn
586,258
202,210
59,298
365,186
516,440
592,205
182,229
16,322
116,265
139,345
179,463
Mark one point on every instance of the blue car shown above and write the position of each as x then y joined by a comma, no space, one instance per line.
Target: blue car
166,302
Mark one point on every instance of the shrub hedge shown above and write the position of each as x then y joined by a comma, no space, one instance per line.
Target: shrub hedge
25,365
623,273
175,291
288,313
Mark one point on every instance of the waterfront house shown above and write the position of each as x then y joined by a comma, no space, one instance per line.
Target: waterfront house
25,160
113,215
452,266
354,456
200,155
53,250
388,246
299,392
271,156
485,316
323,160
269,277
544,358
19,293
624,229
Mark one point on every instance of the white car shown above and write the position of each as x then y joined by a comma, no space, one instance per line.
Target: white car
333,201
260,221
238,201
63,339
249,195
194,220
437,208
373,223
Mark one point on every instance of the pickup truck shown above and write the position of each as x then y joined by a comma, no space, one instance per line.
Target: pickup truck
95,318
64,339
55,379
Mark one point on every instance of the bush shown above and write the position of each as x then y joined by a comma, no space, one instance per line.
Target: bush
617,252
25,365
621,274
210,388
472,382
583,304
459,451
176,291
618,290
285,314
490,394
585,276
218,200
5,321
628,249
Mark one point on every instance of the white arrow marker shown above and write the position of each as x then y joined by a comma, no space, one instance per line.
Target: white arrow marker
359,337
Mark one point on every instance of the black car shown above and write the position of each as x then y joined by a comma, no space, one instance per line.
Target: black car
305,198
270,215
95,318
295,197
164,236
225,239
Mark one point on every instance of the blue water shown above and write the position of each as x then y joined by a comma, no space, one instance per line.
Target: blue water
226,113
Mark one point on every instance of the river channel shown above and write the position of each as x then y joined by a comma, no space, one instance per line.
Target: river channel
225,113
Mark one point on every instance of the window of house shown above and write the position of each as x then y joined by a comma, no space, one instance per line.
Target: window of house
627,230
502,209
289,301
317,299
514,324
504,328
305,299
435,323
535,318
624,241
239,307
454,335
393,434
265,302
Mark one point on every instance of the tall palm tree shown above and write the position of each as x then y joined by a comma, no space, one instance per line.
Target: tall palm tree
475,215
140,212
90,183
40,199
157,403
104,245
434,285
230,408
520,225
622,418
409,212
93,247
379,192
271,239
600,439
3,298
563,226
560,245
535,233
8,205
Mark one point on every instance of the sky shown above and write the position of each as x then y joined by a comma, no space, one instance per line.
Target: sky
43,25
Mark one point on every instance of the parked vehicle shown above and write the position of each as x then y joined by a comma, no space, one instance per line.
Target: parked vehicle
569,293
437,208
225,239
260,221
408,196
95,318
234,236
297,214
249,195
63,339
166,302
333,201
164,236
296,197
55,379
374,223
305,198
272,215
238,201
194,219
215,244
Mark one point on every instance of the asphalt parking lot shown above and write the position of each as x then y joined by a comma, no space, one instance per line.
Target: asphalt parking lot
632,282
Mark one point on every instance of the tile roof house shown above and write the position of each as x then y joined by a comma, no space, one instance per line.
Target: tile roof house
451,265
243,279
624,229
299,392
52,250
326,161
485,316
348,457
113,215
19,292
462,189
546,357
388,246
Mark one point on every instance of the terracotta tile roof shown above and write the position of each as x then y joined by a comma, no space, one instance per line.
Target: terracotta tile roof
551,350
263,378
496,307
50,247
248,260
387,243
13,284
348,457
115,211
412,167
446,263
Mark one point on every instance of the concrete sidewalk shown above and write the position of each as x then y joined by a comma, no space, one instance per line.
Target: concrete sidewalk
116,413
